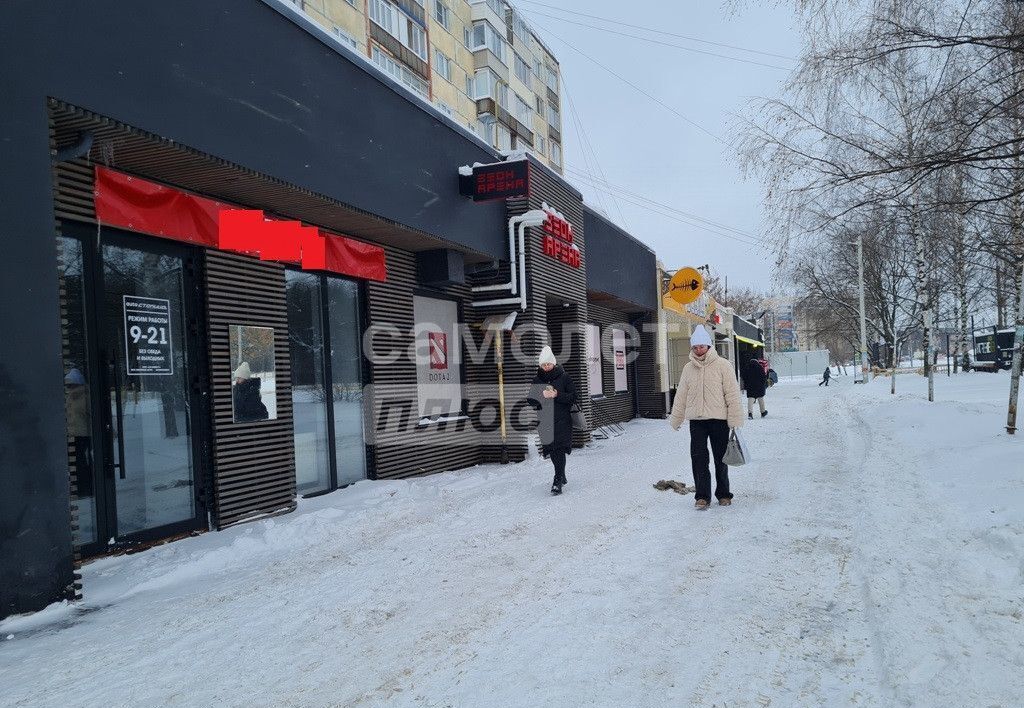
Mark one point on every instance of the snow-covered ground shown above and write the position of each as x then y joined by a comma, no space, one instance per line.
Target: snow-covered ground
874,556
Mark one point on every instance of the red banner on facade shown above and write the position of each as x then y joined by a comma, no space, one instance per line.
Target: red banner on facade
137,204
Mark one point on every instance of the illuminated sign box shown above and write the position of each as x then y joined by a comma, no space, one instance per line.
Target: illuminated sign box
502,180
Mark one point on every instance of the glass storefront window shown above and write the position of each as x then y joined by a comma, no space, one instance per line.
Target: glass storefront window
347,379
325,337
77,388
309,395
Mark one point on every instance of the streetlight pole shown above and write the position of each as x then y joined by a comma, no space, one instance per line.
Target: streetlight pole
863,315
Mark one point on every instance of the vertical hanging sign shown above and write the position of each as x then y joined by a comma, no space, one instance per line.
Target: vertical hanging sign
147,336
619,350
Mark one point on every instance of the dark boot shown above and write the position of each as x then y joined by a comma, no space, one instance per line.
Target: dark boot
556,486
764,412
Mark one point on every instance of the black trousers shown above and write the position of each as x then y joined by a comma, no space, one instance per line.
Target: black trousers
558,458
717,432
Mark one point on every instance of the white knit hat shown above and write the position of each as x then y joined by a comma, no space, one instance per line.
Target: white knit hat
546,356
700,336
243,371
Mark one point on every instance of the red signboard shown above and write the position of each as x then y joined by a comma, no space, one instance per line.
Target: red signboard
501,180
557,242
136,204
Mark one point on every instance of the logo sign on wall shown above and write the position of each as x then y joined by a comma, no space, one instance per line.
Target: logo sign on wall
438,350
619,350
147,336
438,368
557,242
593,351
501,180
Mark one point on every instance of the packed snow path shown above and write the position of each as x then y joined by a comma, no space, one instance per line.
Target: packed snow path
874,555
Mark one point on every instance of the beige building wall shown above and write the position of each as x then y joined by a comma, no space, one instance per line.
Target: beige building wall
450,86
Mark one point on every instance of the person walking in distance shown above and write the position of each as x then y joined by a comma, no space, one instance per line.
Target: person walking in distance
709,397
826,376
552,395
755,383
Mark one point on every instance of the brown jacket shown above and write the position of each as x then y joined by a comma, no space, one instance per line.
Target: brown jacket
707,390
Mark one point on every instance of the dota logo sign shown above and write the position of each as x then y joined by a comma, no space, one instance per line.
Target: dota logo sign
438,350
557,242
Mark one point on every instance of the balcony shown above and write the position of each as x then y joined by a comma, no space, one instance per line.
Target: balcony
399,51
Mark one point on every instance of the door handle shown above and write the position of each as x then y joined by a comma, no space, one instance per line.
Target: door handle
115,378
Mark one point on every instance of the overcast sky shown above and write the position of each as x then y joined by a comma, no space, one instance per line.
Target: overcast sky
652,150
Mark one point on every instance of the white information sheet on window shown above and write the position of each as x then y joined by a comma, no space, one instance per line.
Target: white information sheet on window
619,351
438,364
593,352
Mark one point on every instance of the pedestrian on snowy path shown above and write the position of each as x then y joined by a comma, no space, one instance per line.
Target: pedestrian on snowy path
826,376
755,383
709,397
553,394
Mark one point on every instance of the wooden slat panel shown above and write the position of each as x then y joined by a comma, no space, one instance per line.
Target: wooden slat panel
254,463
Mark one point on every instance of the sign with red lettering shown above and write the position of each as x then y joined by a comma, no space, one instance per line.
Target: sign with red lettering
557,242
501,180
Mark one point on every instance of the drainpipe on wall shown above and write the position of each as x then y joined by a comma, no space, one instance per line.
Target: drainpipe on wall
517,283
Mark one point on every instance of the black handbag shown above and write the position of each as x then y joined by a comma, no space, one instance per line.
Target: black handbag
579,421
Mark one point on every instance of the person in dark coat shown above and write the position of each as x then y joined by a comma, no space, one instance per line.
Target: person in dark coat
755,383
826,376
245,394
552,395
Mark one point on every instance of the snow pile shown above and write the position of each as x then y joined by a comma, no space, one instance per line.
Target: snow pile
873,556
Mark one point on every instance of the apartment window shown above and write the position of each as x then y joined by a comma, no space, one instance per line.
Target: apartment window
485,128
522,111
541,108
542,146
346,39
399,72
522,69
445,108
470,90
520,29
386,15
486,37
552,79
442,65
537,69
442,14
417,40
467,38
490,85
400,26
556,153
554,117
504,138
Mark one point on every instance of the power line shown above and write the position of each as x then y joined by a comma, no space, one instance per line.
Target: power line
654,98
681,217
689,215
581,132
656,31
656,41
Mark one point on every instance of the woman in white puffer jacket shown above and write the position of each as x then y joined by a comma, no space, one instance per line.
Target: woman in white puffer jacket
708,396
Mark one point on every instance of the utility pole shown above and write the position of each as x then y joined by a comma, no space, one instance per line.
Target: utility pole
1018,344
863,316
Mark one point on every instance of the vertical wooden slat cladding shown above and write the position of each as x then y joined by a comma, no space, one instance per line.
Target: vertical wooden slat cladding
651,399
408,450
552,285
253,463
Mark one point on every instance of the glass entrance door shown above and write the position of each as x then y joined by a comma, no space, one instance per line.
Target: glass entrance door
144,304
139,304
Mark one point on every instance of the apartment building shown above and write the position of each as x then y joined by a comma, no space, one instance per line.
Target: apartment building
477,61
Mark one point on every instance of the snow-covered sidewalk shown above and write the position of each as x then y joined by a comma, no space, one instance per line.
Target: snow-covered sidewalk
874,556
